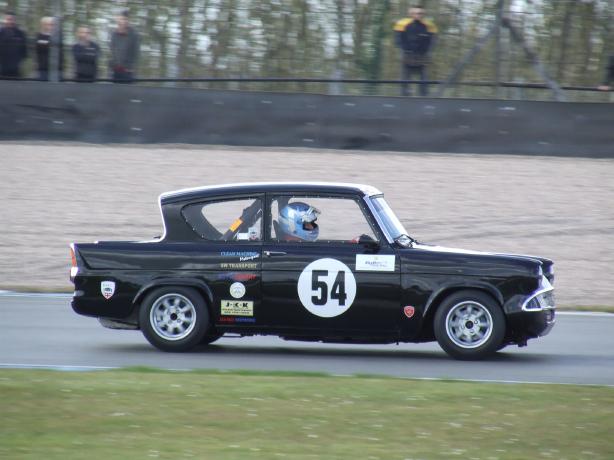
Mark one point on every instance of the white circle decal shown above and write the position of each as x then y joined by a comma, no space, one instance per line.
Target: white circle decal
327,287
237,290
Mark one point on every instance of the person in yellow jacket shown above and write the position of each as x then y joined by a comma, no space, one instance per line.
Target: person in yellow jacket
415,37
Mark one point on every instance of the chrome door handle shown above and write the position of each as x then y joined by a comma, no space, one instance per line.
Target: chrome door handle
274,253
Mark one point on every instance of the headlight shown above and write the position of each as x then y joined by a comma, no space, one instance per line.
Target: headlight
540,301
542,298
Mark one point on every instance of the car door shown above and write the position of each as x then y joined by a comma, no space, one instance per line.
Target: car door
228,257
346,281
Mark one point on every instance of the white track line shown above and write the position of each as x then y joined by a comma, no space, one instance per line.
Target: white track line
55,367
585,313
523,382
53,295
71,368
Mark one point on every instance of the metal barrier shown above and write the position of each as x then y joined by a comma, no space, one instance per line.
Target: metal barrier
350,81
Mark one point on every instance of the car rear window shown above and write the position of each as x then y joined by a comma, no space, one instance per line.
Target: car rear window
227,220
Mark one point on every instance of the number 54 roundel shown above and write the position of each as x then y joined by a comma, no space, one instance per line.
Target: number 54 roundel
327,287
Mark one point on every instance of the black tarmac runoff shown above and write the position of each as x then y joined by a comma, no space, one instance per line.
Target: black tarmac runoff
43,331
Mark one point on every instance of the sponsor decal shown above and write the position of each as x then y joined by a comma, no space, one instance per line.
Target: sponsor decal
252,234
238,319
375,262
409,311
237,307
240,265
327,287
245,320
107,288
237,290
237,276
243,256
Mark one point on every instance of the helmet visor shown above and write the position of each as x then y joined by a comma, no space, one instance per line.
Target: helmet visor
310,216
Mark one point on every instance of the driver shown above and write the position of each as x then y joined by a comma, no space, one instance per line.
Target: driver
297,222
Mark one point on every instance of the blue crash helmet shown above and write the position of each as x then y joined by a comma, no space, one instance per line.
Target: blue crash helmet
297,222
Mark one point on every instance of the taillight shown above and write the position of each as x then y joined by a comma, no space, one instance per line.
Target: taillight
74,269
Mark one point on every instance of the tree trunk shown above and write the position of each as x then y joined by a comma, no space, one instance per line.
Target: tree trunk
566,33
184,38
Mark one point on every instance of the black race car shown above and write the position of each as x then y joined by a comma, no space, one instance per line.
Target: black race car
307,261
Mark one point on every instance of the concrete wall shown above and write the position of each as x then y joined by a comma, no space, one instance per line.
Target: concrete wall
103,113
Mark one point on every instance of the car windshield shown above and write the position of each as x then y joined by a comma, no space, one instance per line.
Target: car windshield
390,221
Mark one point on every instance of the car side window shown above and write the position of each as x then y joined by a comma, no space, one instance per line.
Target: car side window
305,219
228,220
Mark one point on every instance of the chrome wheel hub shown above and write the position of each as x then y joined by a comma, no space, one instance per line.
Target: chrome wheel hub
172,316
469,324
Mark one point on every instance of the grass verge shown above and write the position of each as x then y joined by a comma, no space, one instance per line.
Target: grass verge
143,413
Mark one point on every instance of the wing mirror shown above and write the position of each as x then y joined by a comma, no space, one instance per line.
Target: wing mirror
404,241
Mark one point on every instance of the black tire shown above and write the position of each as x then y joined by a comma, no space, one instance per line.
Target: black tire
469,325
180,319
210,338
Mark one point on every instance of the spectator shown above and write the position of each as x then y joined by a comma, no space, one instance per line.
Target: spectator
609,75
415,37
86,54
13,48
44,41
124,50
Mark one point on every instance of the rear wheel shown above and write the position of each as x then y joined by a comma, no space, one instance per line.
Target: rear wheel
469,325
174,318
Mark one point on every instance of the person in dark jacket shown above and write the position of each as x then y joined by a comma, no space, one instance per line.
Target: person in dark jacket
124,50
415,36
86,54
609,75
44,41
13,49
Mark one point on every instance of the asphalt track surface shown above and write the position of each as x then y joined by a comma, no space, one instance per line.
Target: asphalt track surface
43,331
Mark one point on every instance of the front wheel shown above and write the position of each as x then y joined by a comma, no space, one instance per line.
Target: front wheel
174,318
469,325
210,338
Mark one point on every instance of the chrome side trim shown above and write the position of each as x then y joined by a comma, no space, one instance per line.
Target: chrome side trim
544,286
